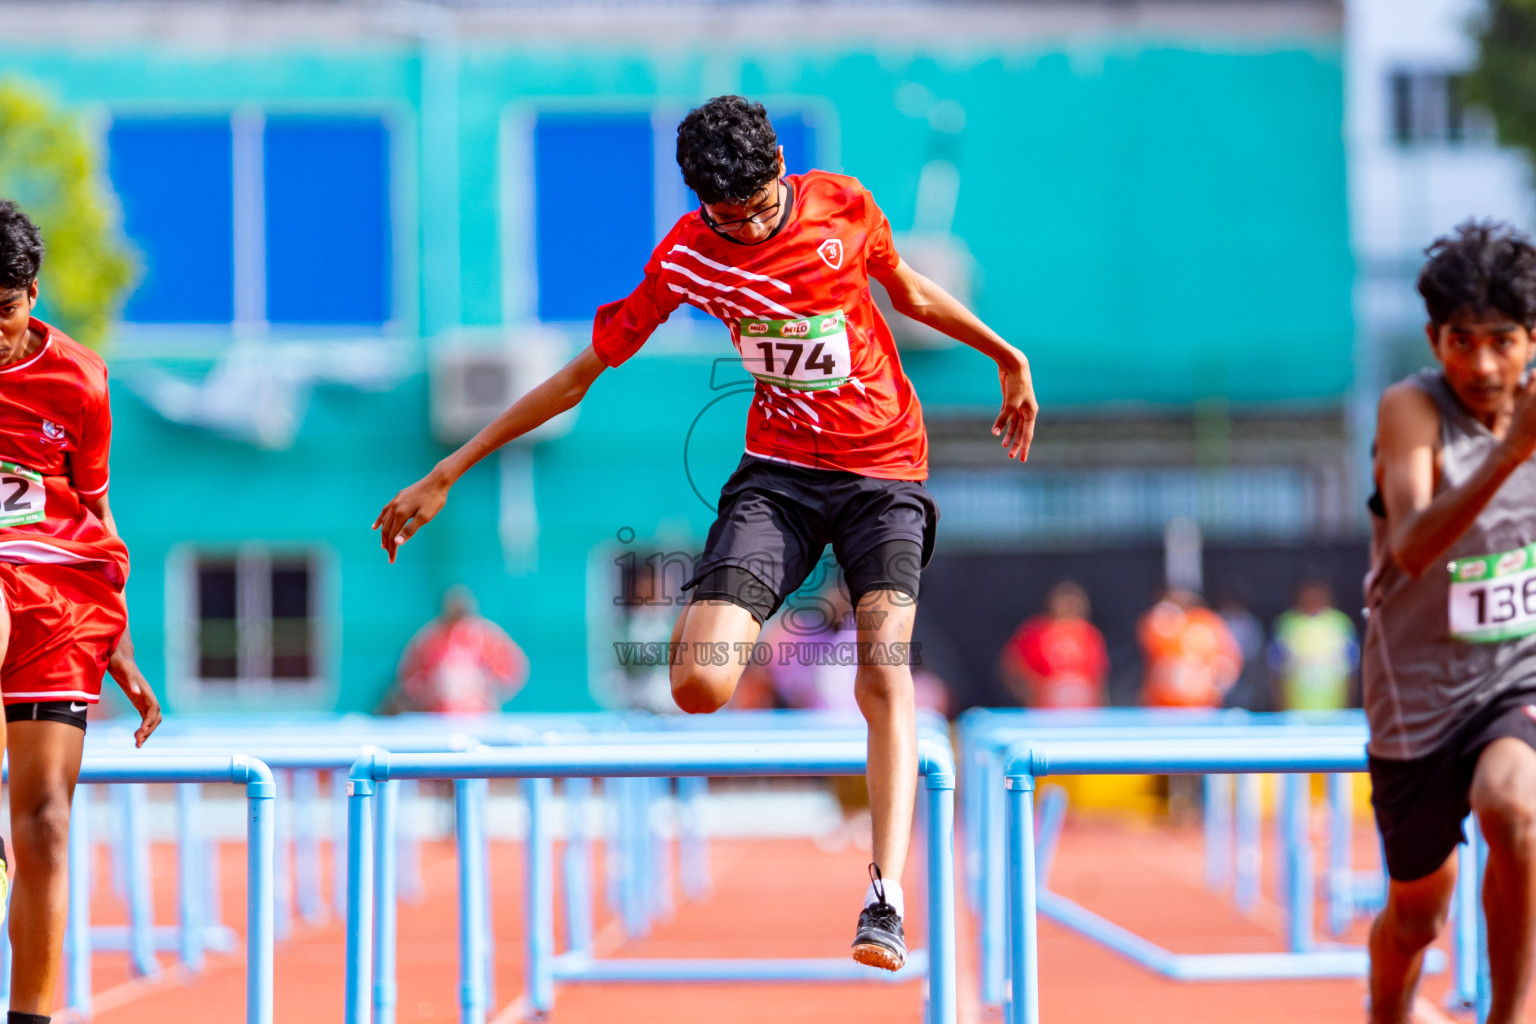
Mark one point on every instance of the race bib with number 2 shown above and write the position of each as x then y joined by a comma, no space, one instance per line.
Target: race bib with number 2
806,354
1493,597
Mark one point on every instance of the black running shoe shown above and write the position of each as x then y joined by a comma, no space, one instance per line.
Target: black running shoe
879,942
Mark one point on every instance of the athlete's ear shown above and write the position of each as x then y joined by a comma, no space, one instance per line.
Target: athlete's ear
32,292
781,161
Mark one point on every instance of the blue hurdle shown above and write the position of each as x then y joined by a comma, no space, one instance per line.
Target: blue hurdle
260,795
370,997
1026,898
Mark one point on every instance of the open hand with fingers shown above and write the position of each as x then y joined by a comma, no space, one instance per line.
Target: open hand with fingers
1016,421
410,510
125,672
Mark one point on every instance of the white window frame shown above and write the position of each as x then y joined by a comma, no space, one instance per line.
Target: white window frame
249,690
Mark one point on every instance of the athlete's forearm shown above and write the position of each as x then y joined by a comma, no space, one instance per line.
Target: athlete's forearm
928,303
1424,536
549,399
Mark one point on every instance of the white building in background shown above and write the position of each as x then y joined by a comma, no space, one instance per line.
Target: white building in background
1419,164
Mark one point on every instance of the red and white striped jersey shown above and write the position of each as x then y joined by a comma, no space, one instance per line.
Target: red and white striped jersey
831,393
55,437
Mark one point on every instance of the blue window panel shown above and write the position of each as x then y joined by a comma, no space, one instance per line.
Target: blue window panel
594,181
174,180
798,139
328,252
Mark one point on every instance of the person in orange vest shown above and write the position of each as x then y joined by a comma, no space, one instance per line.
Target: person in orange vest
1191,659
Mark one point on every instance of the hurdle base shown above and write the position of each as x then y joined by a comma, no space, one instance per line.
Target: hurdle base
1325,962
581,967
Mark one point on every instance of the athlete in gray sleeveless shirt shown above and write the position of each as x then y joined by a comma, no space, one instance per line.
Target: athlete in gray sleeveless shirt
1419,681
1449,665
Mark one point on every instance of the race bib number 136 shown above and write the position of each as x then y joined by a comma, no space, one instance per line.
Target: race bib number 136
1493,597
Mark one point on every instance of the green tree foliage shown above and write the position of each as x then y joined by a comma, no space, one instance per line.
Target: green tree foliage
49,165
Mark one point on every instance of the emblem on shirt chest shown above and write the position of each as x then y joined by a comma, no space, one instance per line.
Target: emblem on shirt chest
831,253
52,431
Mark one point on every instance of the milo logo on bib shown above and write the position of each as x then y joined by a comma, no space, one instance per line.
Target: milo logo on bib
806,353
1493,597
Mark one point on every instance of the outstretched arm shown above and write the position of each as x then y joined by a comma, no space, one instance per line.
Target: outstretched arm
916,296
416,506
1421,524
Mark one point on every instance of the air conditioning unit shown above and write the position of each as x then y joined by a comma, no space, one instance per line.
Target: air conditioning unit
474,379
944,259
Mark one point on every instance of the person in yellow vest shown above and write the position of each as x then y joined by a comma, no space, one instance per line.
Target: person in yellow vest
1314,652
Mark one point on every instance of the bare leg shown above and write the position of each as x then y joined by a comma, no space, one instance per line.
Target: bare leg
1414,914
1504,799
45,762
885,696
710,663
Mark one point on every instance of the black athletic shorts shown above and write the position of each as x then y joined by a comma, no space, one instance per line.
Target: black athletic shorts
70,712
775,520
1420,804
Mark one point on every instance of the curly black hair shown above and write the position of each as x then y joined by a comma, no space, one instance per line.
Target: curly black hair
727,149
1485,266
21,248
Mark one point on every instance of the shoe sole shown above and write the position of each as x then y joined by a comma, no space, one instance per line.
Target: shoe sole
873,955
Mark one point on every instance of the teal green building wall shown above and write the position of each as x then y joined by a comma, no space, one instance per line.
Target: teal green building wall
1154,220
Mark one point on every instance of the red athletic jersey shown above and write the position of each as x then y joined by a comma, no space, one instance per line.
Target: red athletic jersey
56,423
831,393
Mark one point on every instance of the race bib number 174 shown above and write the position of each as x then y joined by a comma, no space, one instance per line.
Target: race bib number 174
807,354
1493,597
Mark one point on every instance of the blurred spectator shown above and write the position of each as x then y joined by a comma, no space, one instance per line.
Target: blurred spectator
1252,689
459,662
1058,659
1190,656
1314,653
644,684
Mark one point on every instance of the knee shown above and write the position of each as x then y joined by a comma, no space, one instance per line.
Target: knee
701,690
1507,816
880,687
41,831
1412,930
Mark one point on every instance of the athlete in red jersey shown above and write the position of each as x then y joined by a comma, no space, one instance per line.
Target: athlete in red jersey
835,450
63,623
831,391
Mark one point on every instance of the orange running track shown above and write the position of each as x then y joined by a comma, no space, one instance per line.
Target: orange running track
776,898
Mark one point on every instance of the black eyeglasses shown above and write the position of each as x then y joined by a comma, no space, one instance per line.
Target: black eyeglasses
756,218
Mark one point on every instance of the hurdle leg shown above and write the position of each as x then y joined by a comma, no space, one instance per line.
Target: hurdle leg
943,1002
1468,921
1249,812
693,839
283,865
483,788
540,898
467,825
306,839
1023,925
411,886
386,795
663,880
1218,831
77,930
578,866
1341,872
1300,872
189,852
359,913
339,845
141,905
260,846
992,842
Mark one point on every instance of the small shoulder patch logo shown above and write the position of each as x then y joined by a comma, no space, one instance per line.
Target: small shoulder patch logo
831,253
52,431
